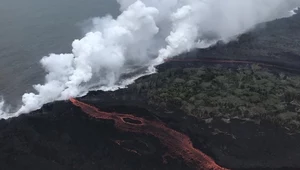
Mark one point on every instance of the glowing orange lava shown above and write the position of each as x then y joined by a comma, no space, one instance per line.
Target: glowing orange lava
178,144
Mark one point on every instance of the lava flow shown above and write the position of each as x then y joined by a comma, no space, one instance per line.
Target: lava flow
178,144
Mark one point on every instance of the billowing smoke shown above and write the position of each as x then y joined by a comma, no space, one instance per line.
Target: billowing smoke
142,36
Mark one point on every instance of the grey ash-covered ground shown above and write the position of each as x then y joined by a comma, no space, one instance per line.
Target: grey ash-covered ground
244,116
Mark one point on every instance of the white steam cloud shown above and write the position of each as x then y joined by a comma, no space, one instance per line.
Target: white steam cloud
142,36
1,106
294,11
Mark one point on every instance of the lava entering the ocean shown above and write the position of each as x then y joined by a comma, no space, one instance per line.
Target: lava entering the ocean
178,144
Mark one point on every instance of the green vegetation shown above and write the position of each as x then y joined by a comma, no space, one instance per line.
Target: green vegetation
247,92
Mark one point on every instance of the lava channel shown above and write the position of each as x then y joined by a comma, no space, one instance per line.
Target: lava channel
178,144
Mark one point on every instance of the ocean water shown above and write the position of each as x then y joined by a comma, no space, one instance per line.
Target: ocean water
31,29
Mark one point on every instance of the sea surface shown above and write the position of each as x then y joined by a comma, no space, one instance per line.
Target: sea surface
31,29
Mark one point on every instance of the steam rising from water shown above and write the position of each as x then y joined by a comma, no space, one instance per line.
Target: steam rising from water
1,106
146,33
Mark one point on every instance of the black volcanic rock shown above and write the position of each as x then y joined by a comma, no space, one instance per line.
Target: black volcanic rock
64,137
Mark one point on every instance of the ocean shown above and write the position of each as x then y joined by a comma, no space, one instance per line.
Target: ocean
31,29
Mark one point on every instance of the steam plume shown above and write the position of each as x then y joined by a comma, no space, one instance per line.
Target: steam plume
146,33
1,106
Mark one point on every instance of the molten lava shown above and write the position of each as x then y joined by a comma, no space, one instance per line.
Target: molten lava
178,144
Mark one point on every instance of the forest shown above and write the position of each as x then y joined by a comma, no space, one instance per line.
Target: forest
247,92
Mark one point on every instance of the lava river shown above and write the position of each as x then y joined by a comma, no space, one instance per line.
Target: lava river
178,144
